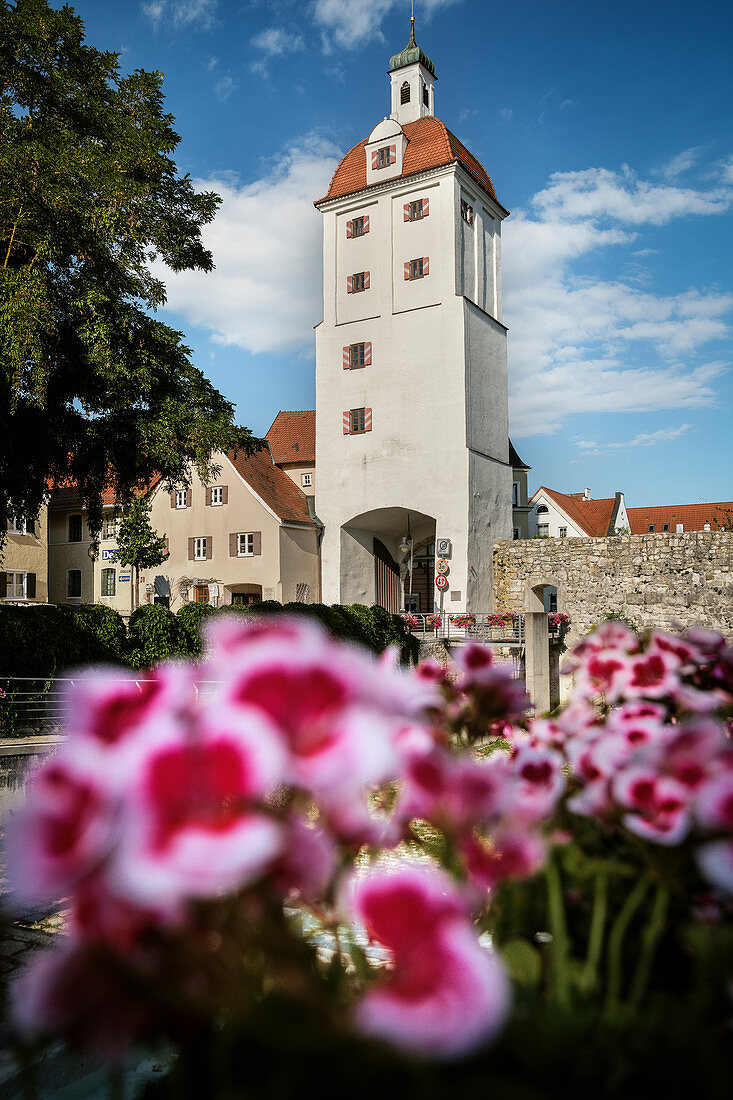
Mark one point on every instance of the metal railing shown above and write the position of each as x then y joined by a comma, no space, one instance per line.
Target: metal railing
34,706
489,628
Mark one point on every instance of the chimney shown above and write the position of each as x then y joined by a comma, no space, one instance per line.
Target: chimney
706,527
586,494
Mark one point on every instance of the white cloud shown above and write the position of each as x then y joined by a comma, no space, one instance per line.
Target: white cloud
590,343
644,439
224,87
682,162
181,13
265,294
348,24
273,41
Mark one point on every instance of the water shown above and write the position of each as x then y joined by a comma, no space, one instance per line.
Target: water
14,774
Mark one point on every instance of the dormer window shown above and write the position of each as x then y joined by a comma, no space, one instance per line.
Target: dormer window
382,158
405,92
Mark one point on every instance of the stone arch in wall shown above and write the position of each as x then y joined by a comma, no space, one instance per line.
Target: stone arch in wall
535,591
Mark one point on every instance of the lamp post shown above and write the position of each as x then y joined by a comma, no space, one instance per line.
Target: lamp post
408,544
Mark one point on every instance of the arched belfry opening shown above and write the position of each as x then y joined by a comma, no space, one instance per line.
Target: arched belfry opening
405,92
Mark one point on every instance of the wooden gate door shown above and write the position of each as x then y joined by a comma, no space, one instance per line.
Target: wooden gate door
386,578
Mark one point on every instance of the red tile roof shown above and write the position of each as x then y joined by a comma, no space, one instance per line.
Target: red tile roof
591,516
273,486
430,144
292,436
68,495
693,516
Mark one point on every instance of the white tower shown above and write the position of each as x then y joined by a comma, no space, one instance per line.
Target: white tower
411,376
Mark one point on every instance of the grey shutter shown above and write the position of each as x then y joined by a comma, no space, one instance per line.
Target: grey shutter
209,546
188,498
256,542
191,543
3,585
30,585
232,546
173,499
208,495
225,494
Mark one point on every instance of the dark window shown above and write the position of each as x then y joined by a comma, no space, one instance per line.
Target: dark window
425,95
665,527
542,509
416,269
358,281
358,421
405,92
357,227
201,593
466,212
651,526
73,583
74,528
416,210
356,355
108,582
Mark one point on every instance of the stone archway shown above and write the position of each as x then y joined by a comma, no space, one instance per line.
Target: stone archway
371,557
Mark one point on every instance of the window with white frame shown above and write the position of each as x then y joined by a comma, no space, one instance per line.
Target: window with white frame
199,549
563,532
73,584
217,494
111,526
109,582
543,530
17,525
306,480
181,495
246,544
16,586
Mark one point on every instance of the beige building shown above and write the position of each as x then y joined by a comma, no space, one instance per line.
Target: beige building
292,439
250,535
79,572
24,560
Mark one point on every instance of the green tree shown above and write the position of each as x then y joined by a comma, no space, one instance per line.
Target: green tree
93,386
138,545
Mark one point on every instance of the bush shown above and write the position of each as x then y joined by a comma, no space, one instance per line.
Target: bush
43,641
191,618
155,634
102,633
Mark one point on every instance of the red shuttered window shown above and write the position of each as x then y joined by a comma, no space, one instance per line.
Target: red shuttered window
418,268
357,282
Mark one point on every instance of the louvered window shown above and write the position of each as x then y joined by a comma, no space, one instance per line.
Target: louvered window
405,92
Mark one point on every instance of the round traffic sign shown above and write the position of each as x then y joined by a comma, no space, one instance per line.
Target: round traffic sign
441,582
442,567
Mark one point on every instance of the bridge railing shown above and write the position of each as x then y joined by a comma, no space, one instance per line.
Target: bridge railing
490,628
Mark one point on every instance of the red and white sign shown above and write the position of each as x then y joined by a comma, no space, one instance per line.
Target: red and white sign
441,582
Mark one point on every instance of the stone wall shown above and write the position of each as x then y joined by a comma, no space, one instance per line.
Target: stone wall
655,580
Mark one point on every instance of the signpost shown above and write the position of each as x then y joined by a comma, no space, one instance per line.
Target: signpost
441,583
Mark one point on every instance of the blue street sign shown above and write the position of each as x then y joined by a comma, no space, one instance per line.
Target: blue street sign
123,577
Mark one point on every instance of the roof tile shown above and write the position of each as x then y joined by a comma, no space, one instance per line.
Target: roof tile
292,436
693,516
430,144
272,485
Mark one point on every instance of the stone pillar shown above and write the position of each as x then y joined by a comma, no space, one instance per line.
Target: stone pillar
537,659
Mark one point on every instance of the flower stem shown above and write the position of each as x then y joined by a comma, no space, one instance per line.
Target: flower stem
559,932
589,978
649,942
616,943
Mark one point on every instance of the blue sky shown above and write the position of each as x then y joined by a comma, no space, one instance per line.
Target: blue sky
607,132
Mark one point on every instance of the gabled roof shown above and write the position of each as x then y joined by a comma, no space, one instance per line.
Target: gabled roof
430,144
273,486
692,516
292,436
591,516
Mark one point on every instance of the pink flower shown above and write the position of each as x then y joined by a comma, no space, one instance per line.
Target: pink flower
454,791
603,672
107,705
190,826
539,783
507,855
62,832
445,995
660,805
714,802
308,861
653,675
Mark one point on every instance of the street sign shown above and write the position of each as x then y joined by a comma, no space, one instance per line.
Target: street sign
107,554
123,577
441,583
444,548
442,567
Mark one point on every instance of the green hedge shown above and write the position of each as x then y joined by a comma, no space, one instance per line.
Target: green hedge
44,640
